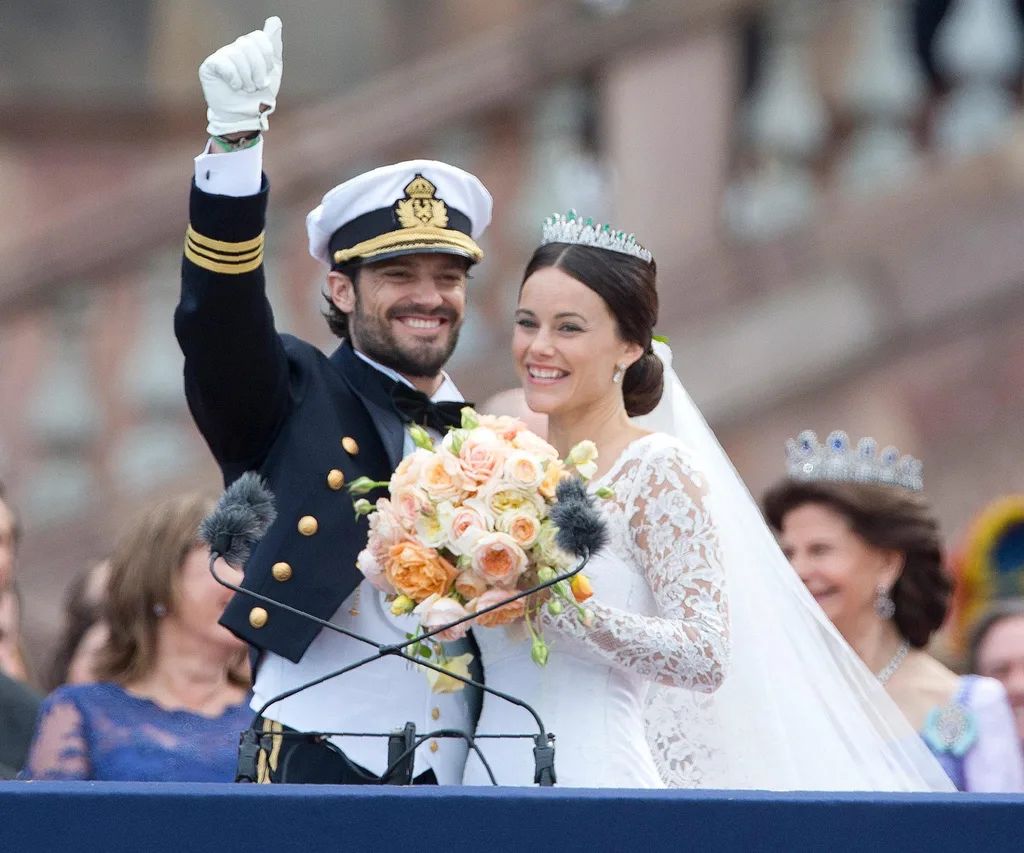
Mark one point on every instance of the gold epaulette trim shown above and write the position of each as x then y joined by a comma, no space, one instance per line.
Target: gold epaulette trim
223,257
407,239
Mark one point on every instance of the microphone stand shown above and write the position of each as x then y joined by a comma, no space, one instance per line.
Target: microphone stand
544,748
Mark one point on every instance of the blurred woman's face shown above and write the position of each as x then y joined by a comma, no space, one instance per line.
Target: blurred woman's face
1001,655
82,666
201,600
840,569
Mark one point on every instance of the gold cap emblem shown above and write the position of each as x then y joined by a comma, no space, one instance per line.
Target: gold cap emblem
419,208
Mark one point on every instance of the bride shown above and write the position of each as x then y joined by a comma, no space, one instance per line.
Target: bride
707,664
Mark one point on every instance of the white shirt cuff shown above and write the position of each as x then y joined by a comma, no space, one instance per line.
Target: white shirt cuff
231,173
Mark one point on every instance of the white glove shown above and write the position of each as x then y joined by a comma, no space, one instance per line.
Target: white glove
241,81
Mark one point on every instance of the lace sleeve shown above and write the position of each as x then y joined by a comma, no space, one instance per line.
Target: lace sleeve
59,750
675,544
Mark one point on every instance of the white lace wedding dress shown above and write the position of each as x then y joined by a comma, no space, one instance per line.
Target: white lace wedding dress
661,618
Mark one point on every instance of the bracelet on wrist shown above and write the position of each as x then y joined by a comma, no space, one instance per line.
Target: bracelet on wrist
240,144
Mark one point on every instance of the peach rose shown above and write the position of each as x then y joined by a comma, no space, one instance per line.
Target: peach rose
503,615
523,527
430,532
408,471
385,530
441,477
504,425
418,572
482,457
533,443
373,571
545,549
498,559
553,475
523,469
435,611
409,503
462,525
470,585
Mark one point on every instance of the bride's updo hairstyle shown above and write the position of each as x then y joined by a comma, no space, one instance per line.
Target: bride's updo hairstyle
627,286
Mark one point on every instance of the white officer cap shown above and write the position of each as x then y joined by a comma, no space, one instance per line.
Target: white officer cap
409,208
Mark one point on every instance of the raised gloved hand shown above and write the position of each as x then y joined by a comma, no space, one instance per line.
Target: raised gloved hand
241,81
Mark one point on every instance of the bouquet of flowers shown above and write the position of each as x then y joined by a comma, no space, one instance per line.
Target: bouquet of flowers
465,527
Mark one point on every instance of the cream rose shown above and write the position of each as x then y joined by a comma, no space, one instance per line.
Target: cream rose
418,572
435,611
482,457
523,527
501,616
430,531
373,571
523,469
583,457
441,477
498,559
545,549
502,498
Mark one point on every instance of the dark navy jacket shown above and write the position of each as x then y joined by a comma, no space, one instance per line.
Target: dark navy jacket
276,405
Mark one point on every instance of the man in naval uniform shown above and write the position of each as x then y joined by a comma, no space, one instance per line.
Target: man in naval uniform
399,242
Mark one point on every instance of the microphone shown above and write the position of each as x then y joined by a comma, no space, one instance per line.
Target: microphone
581,530
243,514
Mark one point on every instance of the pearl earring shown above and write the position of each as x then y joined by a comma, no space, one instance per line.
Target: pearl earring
159,610
620,369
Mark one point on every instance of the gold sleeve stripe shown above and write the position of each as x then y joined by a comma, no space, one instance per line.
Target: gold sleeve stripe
219,256
216,246
222,257
233,268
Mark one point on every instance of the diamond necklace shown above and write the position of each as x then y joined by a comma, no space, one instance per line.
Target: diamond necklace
894,663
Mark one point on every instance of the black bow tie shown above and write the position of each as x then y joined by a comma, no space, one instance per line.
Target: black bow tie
416,407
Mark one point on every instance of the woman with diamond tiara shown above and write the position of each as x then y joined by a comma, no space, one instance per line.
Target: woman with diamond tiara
866,543
707,663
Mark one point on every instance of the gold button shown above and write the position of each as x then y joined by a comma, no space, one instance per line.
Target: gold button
308,525
350,445
257,617
335,479
281,571
435,714
433,746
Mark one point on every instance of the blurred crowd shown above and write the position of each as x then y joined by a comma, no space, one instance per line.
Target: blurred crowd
144,684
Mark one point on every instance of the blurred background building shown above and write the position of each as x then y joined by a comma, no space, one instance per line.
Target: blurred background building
833,189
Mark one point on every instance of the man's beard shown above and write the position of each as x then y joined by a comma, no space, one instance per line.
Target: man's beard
422,360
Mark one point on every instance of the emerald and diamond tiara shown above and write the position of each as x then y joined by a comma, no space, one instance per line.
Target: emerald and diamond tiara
572,228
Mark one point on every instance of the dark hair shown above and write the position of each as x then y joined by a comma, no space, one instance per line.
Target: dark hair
997,612
628,287
337,320
80,613
891,518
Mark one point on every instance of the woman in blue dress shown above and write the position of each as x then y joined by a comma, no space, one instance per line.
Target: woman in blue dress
174,689
868,548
